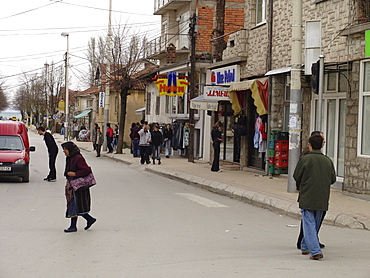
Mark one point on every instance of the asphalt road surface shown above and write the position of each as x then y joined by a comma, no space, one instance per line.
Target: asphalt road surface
150,226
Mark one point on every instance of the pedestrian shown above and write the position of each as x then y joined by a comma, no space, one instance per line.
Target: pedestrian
304,152
315,173
75,130
94,136
115,137
79,201
62,129
109,135
135,140
156,143
144,143
216,136
167,135
99,141
52,153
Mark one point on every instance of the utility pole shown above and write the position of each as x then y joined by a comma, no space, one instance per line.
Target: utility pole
295,109
46,92
321,91
218,44
192,34
107,82
66,123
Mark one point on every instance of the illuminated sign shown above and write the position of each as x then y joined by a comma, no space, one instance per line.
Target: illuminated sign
224,76
171,84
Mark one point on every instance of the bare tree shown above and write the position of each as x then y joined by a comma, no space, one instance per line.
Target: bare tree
3,99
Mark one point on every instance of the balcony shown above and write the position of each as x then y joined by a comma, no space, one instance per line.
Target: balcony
161,6
361,19
157,48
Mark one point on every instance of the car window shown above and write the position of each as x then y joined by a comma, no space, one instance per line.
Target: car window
10,143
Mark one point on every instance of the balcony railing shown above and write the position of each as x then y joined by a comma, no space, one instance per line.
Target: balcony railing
156,46
364,11
159,4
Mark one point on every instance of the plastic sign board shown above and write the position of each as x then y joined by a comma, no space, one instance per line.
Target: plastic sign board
171,84
367,43
224,76
101,99
216,93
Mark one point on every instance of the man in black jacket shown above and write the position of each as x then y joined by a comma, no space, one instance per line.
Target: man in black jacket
53,152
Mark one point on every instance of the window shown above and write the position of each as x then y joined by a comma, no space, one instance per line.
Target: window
116,104
260,11
167,104
157,105
147,106
364,110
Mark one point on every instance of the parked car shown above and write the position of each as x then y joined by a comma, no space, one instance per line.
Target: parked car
14,150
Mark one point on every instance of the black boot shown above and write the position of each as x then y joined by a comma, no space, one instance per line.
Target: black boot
73,227
90,220
153,161
159,162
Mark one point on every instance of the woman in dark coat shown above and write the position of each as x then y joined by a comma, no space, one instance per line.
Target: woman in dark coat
216,139
78,202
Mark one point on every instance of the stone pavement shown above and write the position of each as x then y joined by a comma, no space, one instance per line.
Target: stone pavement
251,186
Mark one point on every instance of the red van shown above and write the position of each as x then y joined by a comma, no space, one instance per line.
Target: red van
14,150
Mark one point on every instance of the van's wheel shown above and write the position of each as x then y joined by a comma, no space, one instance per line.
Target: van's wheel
26,176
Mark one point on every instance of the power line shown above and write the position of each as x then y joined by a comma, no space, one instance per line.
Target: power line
27,11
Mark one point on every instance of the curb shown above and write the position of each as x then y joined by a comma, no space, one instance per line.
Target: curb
250,197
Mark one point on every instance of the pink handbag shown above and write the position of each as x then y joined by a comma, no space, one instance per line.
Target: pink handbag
83,182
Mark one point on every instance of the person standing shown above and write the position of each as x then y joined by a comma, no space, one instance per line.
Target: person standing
109,135
115,137
144,143
167,135
94,136
216,136
99,141
79,201
157,141
75,131
135,140
52,152
304,152
62,129
315,173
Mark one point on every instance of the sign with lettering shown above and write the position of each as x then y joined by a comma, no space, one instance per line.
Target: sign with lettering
224,76
101,99
216,93
171,84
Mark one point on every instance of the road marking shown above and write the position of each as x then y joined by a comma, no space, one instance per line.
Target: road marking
202,201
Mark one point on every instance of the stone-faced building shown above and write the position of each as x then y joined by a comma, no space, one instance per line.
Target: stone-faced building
264,49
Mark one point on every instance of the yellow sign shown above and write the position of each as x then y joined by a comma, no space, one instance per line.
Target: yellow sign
171,84
61,105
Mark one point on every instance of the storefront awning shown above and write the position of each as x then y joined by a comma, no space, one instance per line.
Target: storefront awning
278,71
83,114
139,111
202,104
258,87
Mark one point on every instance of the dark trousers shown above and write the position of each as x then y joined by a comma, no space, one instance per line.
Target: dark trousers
53,171
109,144
98,149
135,147
300,237
144,154
216,160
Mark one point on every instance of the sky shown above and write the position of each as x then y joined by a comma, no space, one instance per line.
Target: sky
30,33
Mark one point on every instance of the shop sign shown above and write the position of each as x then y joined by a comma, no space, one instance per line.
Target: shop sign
101,99
224,76
171,84
216,93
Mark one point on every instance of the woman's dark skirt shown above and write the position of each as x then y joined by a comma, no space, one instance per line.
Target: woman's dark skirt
80,203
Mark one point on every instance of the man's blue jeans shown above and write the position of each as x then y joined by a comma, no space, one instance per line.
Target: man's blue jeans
311,220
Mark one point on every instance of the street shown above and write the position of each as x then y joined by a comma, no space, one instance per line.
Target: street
150,226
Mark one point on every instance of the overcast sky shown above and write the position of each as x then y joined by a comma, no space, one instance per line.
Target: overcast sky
30,32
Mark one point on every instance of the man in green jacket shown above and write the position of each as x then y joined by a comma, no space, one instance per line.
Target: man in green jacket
315,172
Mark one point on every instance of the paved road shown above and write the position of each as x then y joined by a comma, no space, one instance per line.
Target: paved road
150,226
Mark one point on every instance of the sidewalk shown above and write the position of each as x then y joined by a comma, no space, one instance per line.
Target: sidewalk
250,186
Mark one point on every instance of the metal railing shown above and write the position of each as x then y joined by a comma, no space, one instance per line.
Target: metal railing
156,46
363,11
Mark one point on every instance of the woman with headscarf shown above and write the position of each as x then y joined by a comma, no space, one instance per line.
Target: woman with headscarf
78,202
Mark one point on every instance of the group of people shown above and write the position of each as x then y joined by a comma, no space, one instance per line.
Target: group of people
78,201
98,138
148,140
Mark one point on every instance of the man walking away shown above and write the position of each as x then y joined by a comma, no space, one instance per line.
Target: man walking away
157,141
109,135
315,173
53,152
145,139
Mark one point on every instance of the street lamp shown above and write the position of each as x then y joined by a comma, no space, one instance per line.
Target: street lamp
66,126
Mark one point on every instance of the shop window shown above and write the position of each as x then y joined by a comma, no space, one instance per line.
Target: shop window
157,105
167,104
147,103
364,110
